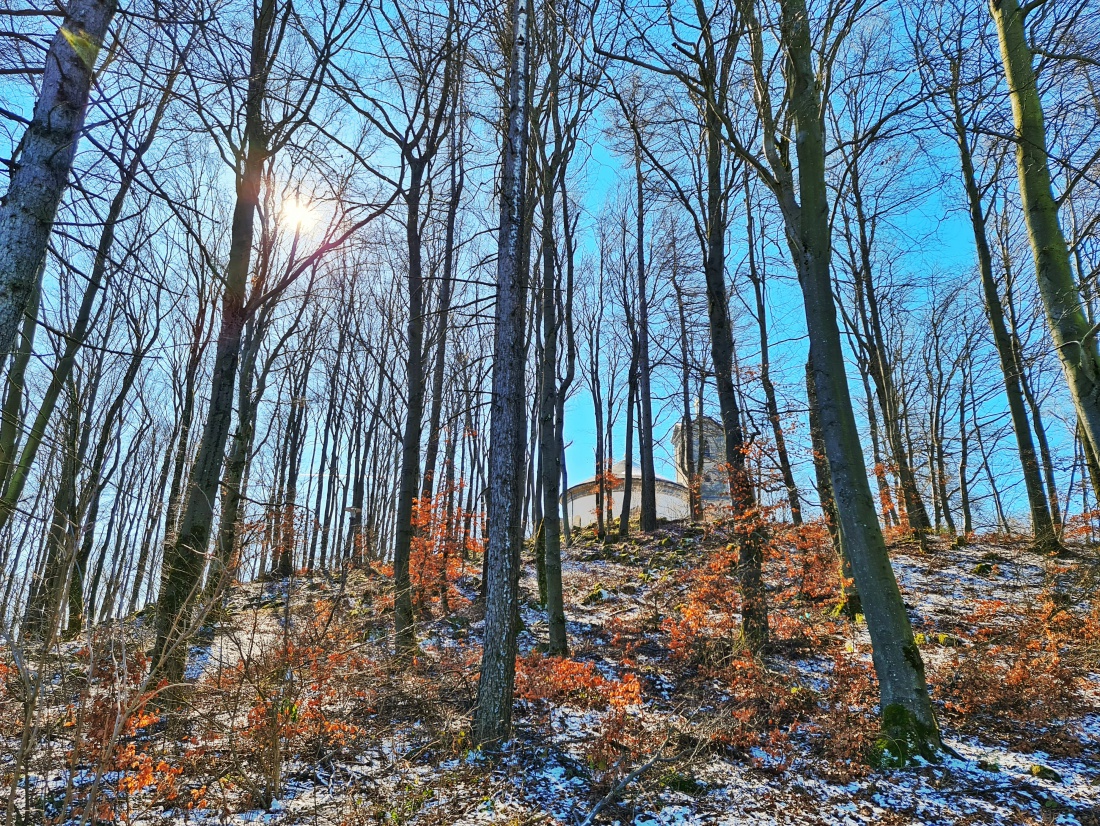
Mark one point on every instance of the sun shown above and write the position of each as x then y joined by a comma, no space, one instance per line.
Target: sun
298,215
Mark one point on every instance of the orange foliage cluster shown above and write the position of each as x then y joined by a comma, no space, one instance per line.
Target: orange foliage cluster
808,563
141,771
707,627
296,697
1082,526
1015,669
562,681
437,559
302,686
845,718
133,768
885,496
11,711
558,681
764,708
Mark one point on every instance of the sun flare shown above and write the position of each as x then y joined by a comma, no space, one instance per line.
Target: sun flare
298,215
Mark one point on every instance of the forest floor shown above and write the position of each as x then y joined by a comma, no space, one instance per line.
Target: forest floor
296,712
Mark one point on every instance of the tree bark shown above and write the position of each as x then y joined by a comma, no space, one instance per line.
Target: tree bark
44,162
849,589
549,455
754,609
909,723
443,312
964,460
628,447
184,558
648,509
493,718
11,417
566,380
405,634
1074,339
687,460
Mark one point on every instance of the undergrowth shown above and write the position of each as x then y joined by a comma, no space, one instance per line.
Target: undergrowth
306,692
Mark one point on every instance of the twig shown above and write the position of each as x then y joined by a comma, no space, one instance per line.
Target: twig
626,781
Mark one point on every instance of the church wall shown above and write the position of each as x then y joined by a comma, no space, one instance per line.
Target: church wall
671,504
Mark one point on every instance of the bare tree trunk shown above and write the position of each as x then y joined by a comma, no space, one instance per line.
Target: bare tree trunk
941,464
44,162
443,311
549,455
1041,521
1046,461
183,559
849,588
908,720
42,617
326,433
756,276
16,476
882,371
224,565
566,381
361,524
998,503
493,718
405,635
687,460
885,495
294,437
600,466
11,417
96,484
152,519
964,460
1074,339
1092,462
648,510
754,609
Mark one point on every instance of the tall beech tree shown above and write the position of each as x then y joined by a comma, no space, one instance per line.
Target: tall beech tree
908,720
951,61
707,71
558,113
252,138
421,48
504,504
45,158
1074,337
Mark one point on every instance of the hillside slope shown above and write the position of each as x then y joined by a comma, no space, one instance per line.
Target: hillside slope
297,713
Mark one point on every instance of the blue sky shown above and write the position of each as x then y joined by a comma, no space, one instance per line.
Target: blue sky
947,248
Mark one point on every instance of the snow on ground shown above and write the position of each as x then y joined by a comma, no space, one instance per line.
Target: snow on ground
547,774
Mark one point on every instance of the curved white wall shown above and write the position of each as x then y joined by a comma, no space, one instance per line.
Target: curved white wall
670,505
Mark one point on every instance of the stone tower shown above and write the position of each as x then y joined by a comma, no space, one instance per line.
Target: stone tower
708,435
